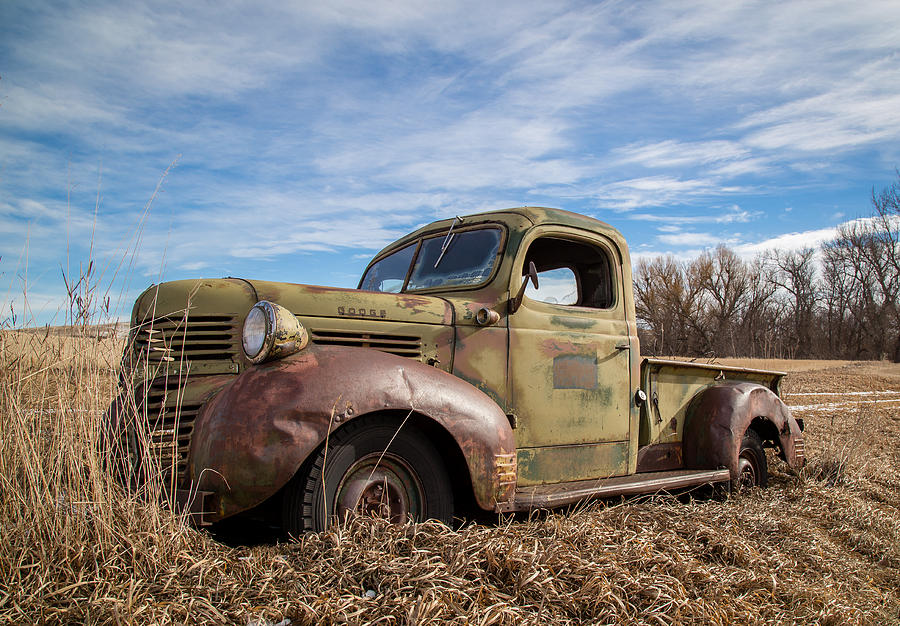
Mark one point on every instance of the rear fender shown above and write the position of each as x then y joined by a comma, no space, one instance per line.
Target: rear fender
717,418
252,437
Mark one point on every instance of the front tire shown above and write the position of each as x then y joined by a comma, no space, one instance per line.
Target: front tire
372,466
753,470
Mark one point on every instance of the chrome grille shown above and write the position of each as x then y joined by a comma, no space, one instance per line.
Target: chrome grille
171,425
165,339
401,345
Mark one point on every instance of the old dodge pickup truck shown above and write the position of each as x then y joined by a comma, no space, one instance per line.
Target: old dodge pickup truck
487,362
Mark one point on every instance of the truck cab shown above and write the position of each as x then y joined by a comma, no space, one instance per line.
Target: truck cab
489,361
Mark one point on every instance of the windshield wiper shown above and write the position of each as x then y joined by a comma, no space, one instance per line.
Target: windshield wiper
447,240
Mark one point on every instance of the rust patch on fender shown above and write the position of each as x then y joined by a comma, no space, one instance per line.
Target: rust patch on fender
718,417
252,437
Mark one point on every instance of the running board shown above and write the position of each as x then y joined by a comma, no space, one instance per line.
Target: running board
548,496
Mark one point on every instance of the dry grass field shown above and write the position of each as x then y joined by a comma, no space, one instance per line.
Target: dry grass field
821,547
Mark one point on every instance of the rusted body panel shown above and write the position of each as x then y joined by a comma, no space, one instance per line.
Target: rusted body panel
659,457
254,435
187,326
696,414
718,417
480,357
211,313
427,343
567,463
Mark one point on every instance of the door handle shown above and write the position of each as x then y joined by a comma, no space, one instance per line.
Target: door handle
623,346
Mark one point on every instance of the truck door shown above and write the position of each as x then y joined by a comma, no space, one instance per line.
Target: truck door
569,359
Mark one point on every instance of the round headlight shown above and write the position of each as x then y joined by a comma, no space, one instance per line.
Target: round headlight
271,331
254,332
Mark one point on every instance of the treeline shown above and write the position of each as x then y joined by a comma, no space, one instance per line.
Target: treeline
837,301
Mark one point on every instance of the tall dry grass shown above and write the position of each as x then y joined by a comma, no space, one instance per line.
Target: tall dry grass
68,525
822,547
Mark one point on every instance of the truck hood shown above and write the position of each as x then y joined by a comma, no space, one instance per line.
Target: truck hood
315,301
234,297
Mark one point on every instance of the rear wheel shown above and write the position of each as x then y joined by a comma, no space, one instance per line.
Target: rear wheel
753,471
371,466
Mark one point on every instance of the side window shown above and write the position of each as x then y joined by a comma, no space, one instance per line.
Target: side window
571,273
557,286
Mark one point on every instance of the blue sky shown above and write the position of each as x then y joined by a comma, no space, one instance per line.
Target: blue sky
292,140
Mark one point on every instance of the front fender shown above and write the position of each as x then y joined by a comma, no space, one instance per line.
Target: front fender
718,417
252,437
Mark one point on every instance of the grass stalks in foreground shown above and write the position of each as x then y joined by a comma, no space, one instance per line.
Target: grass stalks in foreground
66,521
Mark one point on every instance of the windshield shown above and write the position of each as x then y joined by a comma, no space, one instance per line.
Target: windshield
468,259
389,273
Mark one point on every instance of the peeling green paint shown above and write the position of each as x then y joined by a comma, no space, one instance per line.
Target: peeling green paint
564,463
574,323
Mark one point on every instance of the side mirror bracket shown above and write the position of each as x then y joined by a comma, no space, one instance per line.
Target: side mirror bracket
516,301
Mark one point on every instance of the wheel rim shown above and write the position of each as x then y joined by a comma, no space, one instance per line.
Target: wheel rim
387,488
747,472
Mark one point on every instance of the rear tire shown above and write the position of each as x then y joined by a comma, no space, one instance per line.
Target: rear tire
753,470
372,466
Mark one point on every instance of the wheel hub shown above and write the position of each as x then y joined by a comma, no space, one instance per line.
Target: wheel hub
380,485
746,473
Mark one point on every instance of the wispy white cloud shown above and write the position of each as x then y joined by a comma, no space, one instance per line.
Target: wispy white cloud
654,191
731,215
481,150
800,240
687,245
671,153
44,107
682,254
859,109
669,228
787,242
690,239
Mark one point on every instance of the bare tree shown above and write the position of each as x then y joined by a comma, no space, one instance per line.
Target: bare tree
862,271
794,275
887,238
724,279
669,304
839,289
659,294
761,314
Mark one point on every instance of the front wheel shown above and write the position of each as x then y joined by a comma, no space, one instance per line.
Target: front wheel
753,470
371,466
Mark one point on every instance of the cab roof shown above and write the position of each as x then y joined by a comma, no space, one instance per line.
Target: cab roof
515,218
536,215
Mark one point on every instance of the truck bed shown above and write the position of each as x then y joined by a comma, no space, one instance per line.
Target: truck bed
670,385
